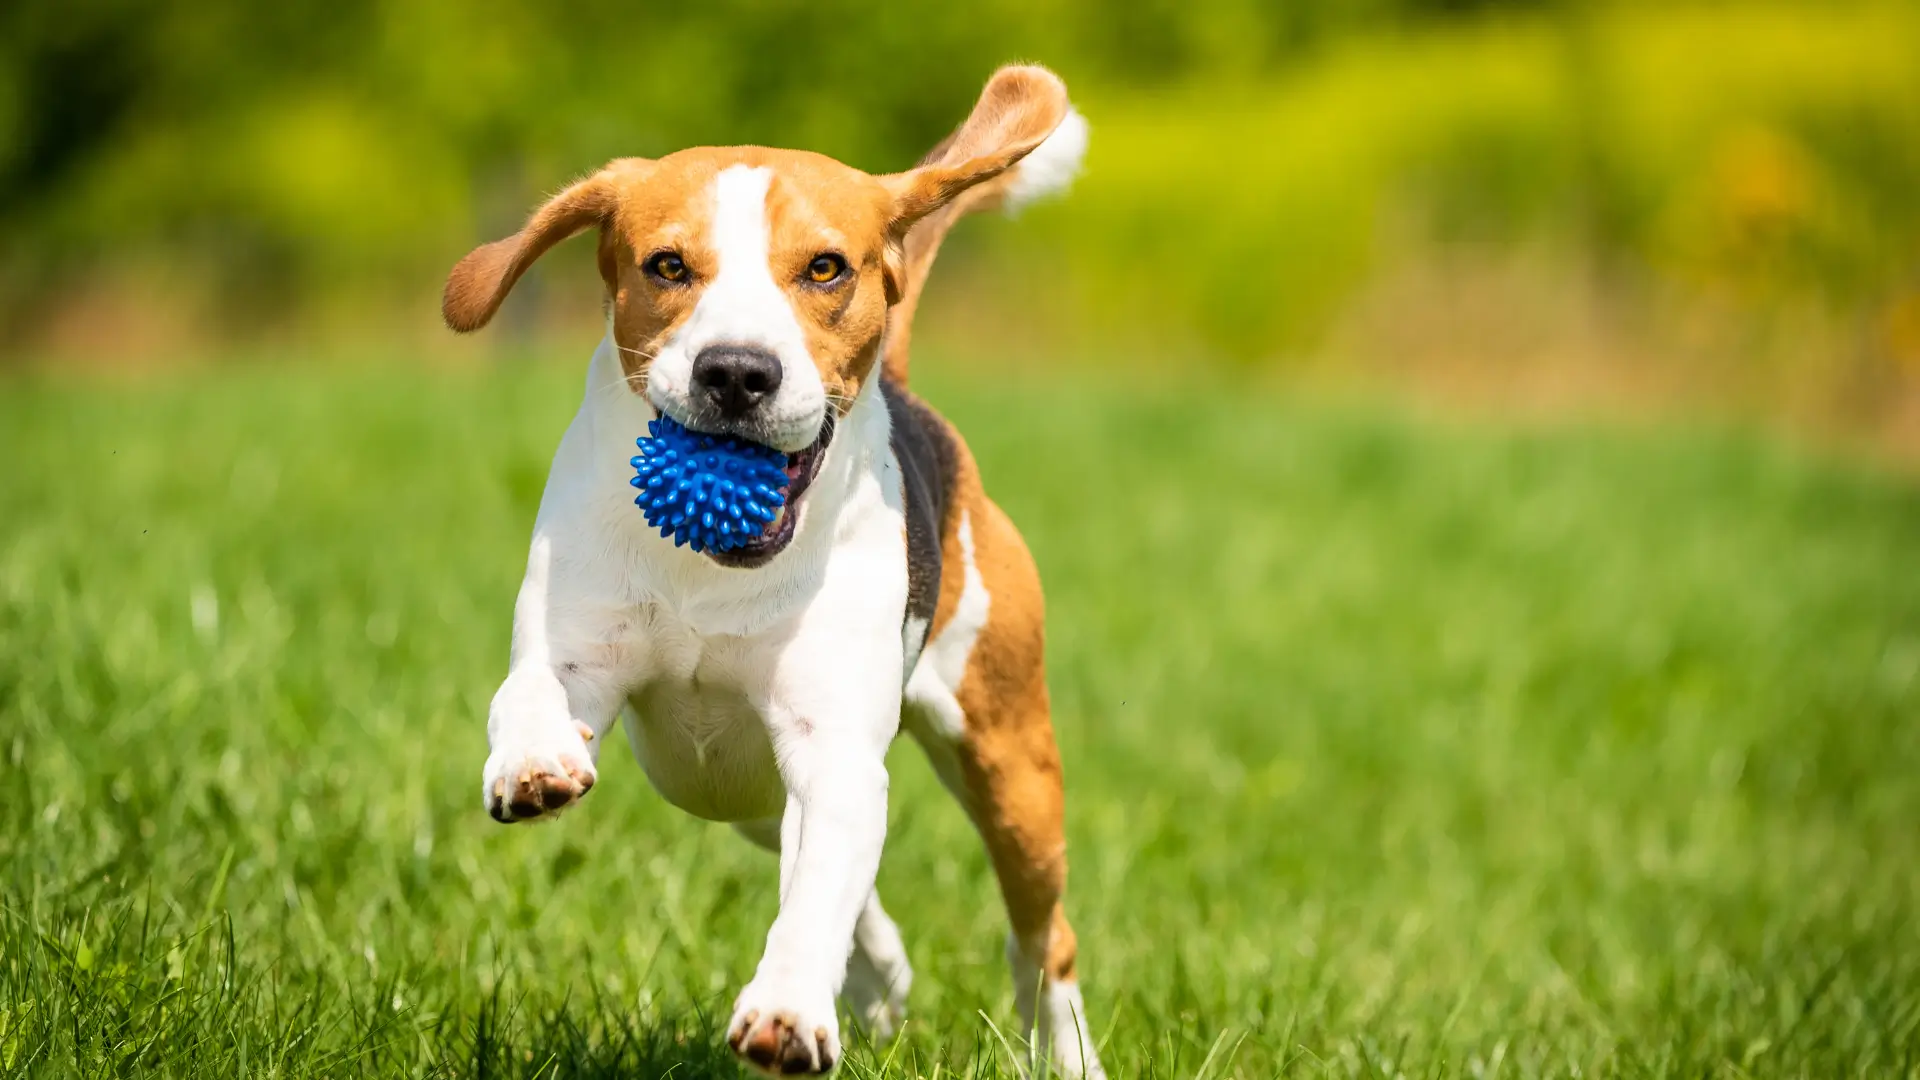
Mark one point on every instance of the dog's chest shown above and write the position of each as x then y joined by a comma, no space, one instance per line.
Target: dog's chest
696,733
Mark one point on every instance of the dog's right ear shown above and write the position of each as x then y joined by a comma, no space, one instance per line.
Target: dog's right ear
1021,105
481,281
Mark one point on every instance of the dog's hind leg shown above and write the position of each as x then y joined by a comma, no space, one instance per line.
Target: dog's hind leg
977,703
878,974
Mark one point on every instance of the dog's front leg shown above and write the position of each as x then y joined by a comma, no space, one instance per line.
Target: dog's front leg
560,696
831,834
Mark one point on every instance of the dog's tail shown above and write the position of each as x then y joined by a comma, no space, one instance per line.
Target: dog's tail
1048,170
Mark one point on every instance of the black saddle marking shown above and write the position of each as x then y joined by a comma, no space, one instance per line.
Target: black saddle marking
929,462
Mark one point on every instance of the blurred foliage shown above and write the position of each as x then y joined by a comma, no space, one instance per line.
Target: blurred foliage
1760,154
1254,164
309,138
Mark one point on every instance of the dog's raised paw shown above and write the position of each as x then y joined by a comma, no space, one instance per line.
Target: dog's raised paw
783,1042
524,784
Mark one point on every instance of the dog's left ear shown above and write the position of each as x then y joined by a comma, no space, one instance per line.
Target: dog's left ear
1019,108
481,281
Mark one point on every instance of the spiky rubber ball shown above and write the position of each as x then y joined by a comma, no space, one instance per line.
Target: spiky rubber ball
708,492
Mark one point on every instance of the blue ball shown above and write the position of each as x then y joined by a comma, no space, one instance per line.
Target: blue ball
710,492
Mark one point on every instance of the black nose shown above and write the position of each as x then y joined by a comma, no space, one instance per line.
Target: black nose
734,379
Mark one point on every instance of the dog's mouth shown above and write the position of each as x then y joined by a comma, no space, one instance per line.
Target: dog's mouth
802,466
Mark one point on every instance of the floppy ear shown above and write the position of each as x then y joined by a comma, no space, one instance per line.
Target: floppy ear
482,280
1019,108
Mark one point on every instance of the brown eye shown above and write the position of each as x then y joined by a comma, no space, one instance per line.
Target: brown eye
825,269
667,266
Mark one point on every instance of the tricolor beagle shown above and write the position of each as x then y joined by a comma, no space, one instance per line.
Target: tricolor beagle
766,294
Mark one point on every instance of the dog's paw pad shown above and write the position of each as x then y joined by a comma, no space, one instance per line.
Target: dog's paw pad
780,1044
522,786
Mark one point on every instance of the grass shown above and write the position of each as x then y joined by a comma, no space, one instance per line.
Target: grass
1395,747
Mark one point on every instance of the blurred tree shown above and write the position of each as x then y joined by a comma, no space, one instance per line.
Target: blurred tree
263,159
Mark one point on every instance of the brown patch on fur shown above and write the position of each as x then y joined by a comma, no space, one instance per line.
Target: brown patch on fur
815,207
1008,757
1010,761
671,210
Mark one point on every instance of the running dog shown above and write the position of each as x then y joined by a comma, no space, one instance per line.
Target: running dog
767,295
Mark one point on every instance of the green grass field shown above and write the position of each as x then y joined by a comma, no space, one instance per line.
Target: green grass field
1394,746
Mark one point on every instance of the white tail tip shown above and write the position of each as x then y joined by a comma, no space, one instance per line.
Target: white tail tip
1051,167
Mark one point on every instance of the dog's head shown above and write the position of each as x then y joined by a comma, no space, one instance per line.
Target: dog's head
749,287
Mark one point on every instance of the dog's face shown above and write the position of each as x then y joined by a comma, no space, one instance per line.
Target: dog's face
749,287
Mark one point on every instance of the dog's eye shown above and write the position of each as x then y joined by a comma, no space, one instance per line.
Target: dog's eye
667,266
826,268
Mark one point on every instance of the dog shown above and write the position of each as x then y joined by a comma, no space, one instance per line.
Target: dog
767,295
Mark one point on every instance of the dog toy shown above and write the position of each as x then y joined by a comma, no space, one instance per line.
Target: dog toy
707,491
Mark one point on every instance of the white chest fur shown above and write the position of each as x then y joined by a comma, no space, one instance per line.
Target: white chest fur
703,742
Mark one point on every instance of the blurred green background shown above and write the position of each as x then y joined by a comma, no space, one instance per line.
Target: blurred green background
1709,205
1406,735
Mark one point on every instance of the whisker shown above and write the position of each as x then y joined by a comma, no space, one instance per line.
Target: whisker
635,383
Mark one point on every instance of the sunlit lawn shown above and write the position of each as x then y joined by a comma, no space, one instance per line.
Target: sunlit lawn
1394,747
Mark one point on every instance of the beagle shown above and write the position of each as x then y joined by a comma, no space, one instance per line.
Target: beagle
766,294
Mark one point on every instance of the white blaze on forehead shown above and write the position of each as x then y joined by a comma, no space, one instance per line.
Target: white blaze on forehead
740,225
745,305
